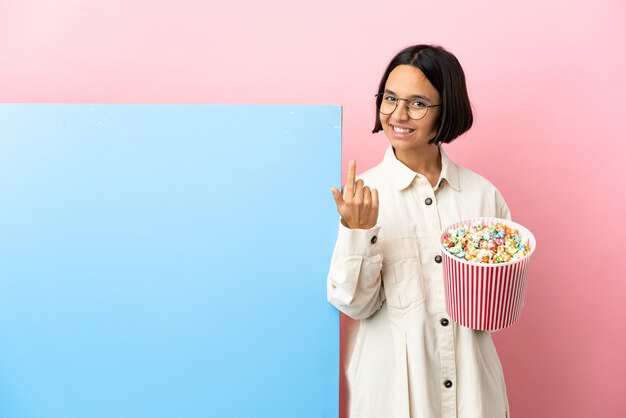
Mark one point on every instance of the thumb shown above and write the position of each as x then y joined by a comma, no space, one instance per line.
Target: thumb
337,196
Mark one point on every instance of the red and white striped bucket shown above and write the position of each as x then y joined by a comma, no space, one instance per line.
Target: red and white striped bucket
485,296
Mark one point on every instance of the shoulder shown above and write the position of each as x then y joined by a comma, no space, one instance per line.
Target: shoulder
473,181
478,186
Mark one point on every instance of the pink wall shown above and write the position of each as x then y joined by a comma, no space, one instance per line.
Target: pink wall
546,82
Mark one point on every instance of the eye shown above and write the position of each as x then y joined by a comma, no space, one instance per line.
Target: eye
417,104
389,98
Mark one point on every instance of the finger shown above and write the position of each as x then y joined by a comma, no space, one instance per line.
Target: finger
374,199
351,176
367,196
337,196
358,190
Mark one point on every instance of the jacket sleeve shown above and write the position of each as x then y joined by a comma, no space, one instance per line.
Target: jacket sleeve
502,208
354,279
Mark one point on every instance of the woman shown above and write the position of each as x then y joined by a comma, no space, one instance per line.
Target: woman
409,358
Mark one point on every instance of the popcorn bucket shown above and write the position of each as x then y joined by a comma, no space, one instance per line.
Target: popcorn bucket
485,296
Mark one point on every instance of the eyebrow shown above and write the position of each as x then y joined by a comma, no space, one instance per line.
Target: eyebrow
415,96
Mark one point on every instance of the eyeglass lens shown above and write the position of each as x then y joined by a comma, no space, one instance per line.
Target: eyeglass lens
415,110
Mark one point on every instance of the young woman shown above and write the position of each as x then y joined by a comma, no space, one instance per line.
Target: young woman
409,359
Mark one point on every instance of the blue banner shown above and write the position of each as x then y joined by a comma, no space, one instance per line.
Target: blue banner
167,261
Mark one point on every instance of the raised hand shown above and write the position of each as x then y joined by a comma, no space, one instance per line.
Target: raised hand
358,206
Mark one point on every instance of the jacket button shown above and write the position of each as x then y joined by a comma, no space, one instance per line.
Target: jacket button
428,201
448,384
374,239
444,322
437,259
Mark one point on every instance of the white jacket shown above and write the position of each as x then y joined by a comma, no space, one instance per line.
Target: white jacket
409,359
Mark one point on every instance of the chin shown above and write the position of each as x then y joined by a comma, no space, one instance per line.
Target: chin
404,144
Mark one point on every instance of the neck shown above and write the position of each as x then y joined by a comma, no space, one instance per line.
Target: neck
425,161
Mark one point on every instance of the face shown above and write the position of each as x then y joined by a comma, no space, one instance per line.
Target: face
406,134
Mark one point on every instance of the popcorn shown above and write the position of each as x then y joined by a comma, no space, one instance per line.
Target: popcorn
486,243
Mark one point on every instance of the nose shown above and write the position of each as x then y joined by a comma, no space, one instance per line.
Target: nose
401,112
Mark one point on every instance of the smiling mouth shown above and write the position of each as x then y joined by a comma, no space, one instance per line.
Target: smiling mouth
402,130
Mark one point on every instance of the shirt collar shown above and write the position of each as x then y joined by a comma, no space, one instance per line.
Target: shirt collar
403,176
449,171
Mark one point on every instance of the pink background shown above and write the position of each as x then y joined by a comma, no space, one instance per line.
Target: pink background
545,80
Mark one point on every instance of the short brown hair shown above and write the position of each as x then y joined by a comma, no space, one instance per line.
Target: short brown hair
444,72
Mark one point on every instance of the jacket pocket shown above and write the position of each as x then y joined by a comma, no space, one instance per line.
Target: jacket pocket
402,273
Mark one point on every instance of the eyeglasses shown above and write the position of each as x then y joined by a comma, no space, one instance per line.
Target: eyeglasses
415,109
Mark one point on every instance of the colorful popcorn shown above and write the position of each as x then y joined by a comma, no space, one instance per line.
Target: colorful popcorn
485,243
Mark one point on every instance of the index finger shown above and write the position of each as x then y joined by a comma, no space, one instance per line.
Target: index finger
351,176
